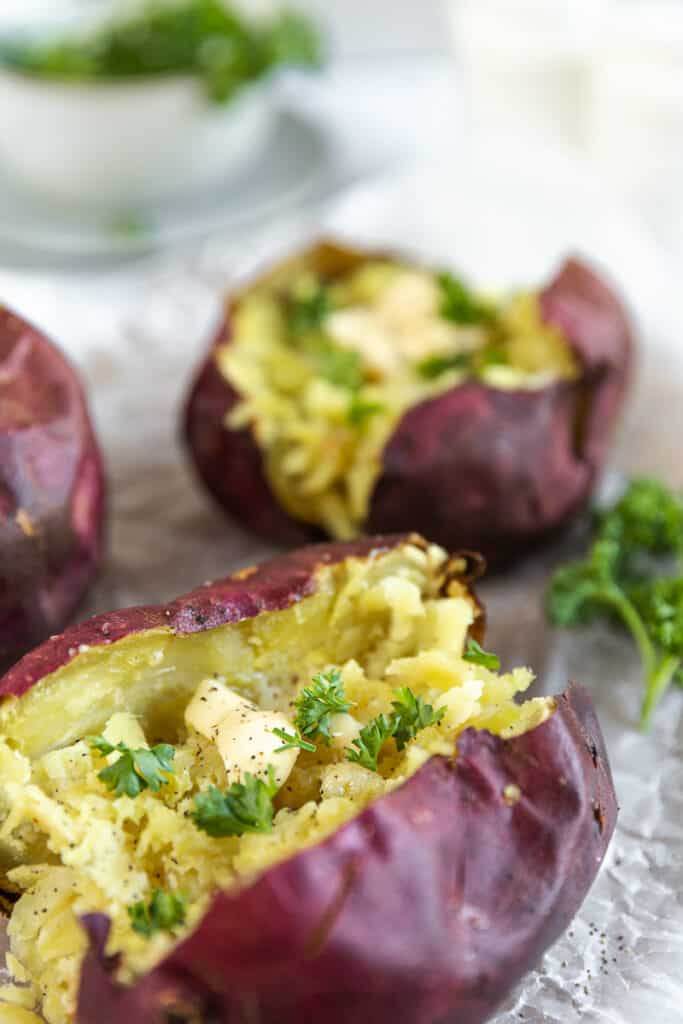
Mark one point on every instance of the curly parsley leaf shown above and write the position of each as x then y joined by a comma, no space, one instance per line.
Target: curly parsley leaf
412,714
292,740
476,655
626,577
307,313
164,912
370,741
460,304
362,409
243,807
434,366
317,704
136,769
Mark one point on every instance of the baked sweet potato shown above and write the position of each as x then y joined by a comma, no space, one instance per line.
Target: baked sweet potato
351,392
51,489
402,849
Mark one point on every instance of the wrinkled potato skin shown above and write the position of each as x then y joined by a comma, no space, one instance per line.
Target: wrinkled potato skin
429,907
503,470
51,489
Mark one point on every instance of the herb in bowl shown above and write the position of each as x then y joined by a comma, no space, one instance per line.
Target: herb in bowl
206,38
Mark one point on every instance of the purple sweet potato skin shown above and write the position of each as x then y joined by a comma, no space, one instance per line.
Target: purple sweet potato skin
501,470
426,909
51,489
271,586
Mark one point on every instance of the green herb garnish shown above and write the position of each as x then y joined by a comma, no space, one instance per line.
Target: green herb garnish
362,409
136,769
434,366
478,656
317,704
165,911
460,304
243,807
292,740
207,38
370,741
624,578
412,714
306,313
340,366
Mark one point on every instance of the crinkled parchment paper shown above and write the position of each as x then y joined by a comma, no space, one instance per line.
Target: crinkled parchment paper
138,330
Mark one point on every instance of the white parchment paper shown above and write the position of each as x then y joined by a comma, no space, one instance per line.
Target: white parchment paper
138,330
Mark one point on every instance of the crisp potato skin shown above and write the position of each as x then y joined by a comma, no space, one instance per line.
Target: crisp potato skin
429,907
503,470
51,489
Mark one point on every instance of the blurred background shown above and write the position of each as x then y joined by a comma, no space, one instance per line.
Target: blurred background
597,84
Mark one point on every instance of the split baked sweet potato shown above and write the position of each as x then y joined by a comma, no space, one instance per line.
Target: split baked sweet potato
51,489
305,790
350,392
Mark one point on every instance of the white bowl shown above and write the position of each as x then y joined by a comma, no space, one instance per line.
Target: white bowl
120,144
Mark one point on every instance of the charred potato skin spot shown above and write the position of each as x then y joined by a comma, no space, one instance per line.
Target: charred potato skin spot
504,470
507,879
52,491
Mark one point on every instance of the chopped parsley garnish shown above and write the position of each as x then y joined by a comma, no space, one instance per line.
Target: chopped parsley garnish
243,807
412,714
291,740
370,741
135,770
165,911
495,355
632,574
317,704
433,366
207,38
340,366
478,656
460,304
362,409
308,312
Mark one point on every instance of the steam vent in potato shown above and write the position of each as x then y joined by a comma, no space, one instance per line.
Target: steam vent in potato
349,392
51,489
305,792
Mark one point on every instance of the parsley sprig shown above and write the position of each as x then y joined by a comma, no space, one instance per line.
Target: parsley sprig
306,313
317,704
434,366
292,740
460,304
410,714
244,807
164,912
136,769
476,655
370,740
632,574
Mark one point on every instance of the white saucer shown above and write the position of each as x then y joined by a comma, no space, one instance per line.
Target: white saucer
286,173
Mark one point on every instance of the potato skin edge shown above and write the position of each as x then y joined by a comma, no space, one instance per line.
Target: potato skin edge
271,586
52,489
428,907
505,470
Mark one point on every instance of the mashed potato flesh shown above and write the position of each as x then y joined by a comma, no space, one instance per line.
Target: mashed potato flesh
327,368
70,846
